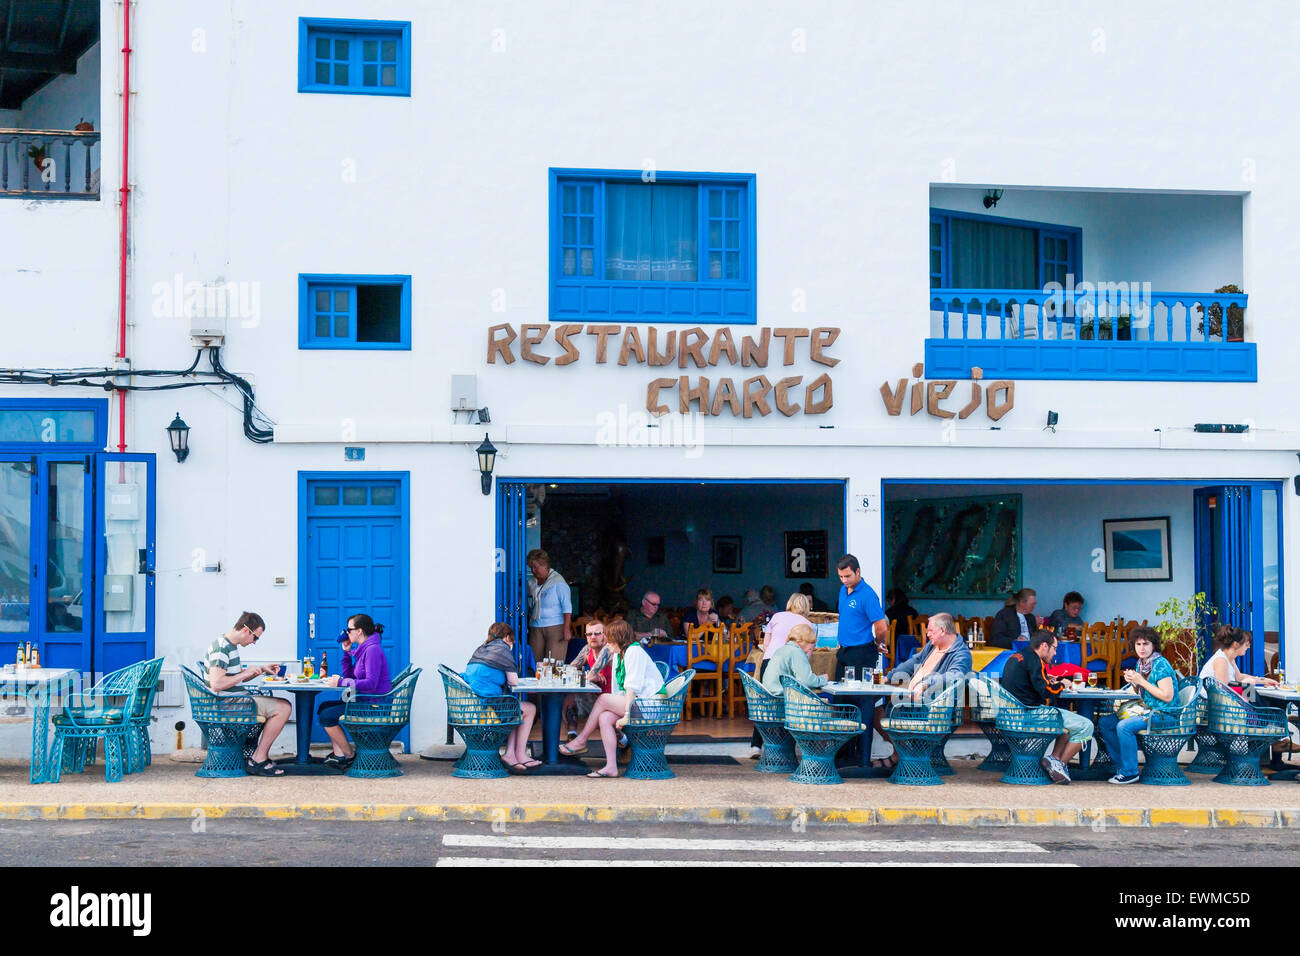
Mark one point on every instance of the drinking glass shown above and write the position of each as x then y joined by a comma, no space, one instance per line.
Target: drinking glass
1092,678
850,675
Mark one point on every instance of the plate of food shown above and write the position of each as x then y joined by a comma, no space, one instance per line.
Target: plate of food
274,680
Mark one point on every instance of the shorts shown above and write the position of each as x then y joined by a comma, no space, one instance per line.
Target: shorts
266,706
329,712
1077,726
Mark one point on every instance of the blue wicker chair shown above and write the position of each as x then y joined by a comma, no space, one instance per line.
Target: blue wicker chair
820,729
1242,730
1028,731
767,712
373,721
230,723
1166,736
102,712
919,731
648,731
484,723
1210,757
139,750
984,710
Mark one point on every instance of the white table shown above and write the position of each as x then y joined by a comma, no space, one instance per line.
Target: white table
42,686
302,762
1102,766
551,705
860,691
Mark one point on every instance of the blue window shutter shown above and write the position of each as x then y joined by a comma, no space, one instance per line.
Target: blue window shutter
354,56
578,228
938,252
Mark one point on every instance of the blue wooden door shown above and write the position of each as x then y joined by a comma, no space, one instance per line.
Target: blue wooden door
512,602
1230,563
355,552
124,559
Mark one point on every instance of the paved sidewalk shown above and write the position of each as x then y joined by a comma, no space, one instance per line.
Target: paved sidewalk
699,794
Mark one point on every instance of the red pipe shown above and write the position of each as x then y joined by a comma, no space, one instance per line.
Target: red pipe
125,194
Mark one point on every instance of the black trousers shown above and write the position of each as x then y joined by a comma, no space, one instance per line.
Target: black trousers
861,657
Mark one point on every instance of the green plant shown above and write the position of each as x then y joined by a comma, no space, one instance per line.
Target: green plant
37,155
1106,328
1179,617
1236,316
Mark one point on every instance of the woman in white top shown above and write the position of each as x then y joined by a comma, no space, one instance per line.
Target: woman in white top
1231,643
634,675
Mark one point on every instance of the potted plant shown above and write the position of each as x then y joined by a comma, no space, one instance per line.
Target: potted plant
85,126
37,156
1214,320
1121,329
1179,626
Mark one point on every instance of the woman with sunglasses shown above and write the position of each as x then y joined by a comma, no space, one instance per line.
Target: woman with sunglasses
365,668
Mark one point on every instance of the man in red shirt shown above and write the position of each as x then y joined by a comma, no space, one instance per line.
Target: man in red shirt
598,662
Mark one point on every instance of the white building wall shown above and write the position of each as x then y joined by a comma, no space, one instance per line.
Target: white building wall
846,113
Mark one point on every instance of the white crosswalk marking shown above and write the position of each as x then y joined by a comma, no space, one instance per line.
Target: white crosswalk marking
484,861
659,844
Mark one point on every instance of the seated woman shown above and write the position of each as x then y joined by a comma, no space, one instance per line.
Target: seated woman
1230,643
775,636
703,612
365,668
635,676
1154,677
491,673
791,660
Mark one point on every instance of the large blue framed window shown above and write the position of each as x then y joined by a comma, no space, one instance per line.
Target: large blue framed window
354,312
677,248
969,251
354,56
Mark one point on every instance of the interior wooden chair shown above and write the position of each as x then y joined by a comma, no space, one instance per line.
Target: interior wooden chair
919,625
986,625
1098,652
704,654
740,641
891,642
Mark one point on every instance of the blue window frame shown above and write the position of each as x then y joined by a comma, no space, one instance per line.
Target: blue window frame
680,248
354,312
1032,253
371,57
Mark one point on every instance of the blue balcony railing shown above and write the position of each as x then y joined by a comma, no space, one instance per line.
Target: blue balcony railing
1092,333
49,164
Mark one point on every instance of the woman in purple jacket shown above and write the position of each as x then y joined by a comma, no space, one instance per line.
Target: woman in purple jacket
364,668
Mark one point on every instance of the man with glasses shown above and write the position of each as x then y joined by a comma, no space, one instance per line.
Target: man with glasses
649,620
597,661
225,671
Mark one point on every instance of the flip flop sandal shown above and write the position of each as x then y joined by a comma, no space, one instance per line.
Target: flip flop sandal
517,770
568,750
530,764
267,768
601,773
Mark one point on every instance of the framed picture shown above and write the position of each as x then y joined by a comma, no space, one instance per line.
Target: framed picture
726,554
954,548
1137,549
805,554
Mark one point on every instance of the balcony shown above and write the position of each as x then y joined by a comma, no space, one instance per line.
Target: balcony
49,164
1096,334
1044,283
50,82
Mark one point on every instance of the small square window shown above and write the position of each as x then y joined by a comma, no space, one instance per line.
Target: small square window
354,496
383,495
326,494
365,312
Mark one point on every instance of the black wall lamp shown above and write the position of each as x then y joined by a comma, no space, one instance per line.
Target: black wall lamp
991,197
487,459
1052,419
179,434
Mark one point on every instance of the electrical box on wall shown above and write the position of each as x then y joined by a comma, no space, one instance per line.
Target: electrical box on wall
123,503
464,393
119,590
207,330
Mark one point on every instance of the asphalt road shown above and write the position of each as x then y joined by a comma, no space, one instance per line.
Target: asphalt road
313,843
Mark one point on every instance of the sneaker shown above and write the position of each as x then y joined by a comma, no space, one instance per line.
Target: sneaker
755,753
1055,769
1121,779
334,760
572,734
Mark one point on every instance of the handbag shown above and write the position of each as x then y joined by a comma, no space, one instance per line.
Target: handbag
1131,708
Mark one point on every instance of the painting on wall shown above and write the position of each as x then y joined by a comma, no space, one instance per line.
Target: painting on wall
806,554
1137,549
968,547
726,554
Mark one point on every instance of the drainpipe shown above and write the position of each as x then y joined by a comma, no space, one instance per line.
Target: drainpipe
125,199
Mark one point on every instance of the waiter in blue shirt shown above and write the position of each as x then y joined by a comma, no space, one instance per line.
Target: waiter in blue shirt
862,620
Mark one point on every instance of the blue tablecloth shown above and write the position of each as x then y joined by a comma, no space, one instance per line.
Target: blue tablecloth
1066,652
674,655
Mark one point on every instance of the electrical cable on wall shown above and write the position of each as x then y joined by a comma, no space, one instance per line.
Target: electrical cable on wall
258,427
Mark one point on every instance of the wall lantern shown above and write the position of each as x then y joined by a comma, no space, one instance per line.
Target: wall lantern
487,459
179,434
991,197
1052,419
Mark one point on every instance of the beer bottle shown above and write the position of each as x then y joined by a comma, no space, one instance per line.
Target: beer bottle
324,665
36,657
28,656
19,660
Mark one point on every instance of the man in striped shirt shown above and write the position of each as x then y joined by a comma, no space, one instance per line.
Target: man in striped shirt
225,671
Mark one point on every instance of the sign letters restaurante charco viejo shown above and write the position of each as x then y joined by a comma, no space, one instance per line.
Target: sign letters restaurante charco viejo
659,348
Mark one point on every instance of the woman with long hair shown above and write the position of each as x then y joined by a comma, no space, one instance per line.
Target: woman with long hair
364,668
634,676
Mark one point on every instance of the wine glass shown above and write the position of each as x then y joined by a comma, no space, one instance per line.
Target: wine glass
850,675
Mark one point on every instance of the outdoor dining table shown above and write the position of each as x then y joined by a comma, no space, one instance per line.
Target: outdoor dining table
41,686
304,706
1283,697
1088,698
551,694
672,653
864,695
